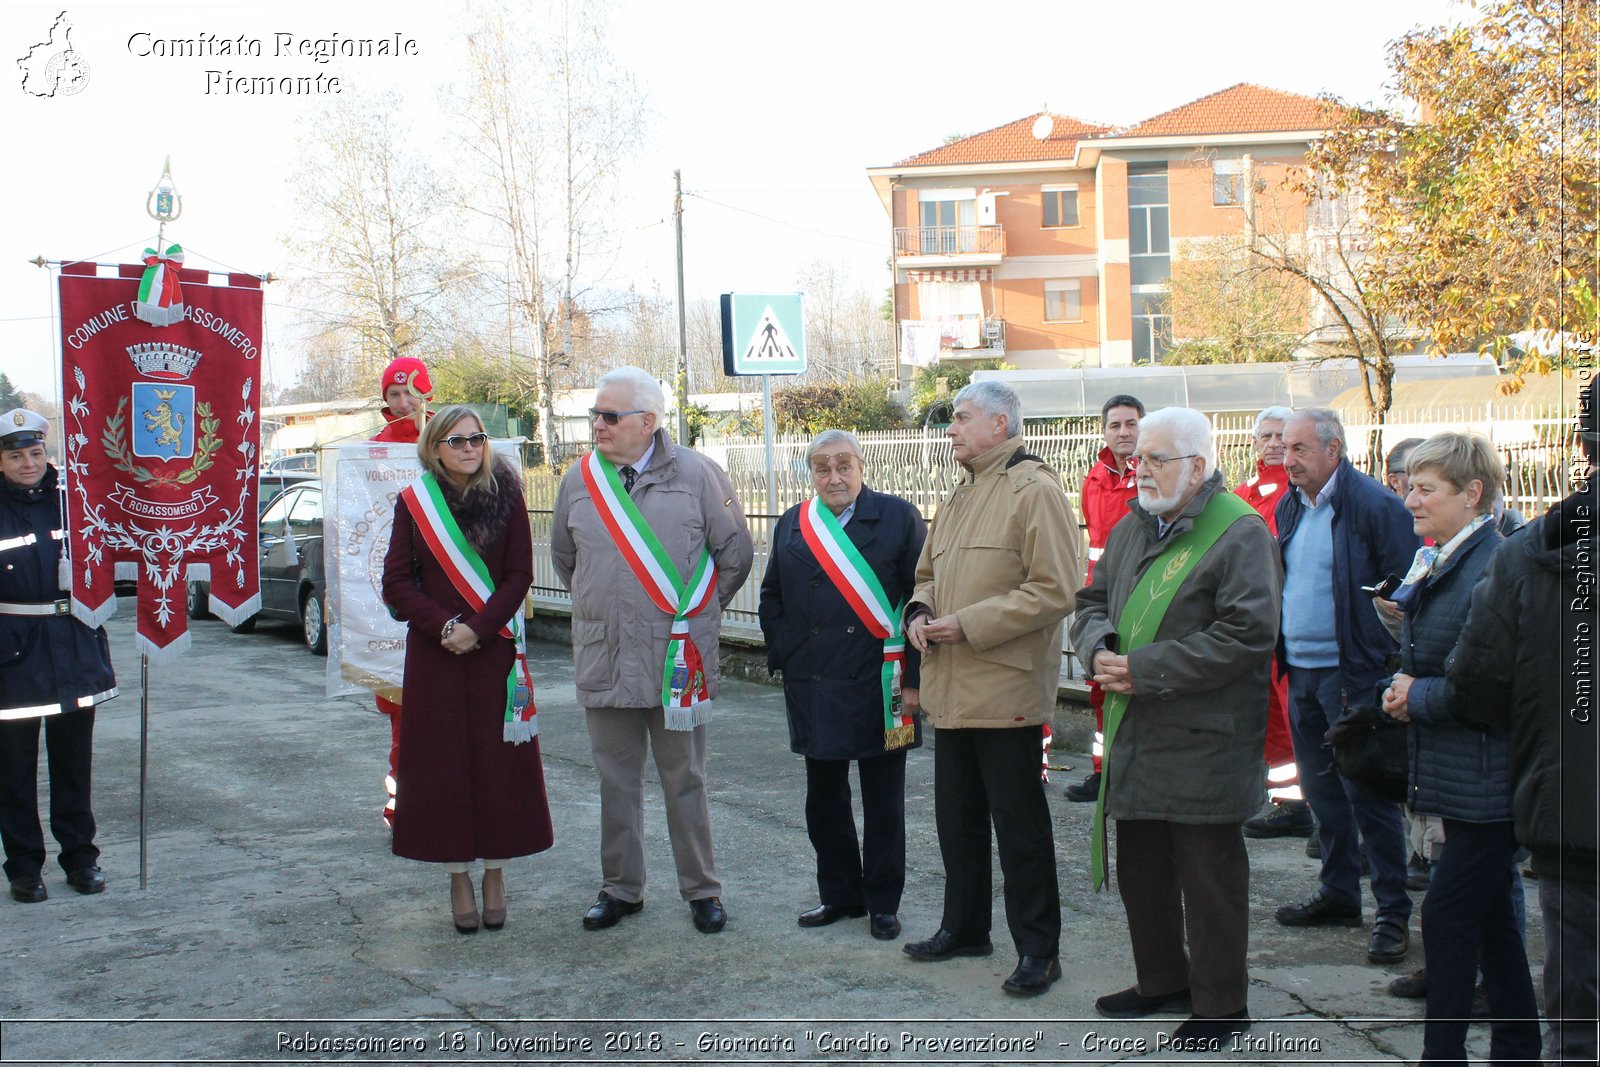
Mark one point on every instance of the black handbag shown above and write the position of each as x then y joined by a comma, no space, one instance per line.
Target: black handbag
1369,748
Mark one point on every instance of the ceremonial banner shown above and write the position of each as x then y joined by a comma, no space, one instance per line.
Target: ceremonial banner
366,645
360,483
162,442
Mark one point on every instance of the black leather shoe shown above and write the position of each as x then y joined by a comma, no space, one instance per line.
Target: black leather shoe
87,880
1389,942
885,927
1413,986
708,914
942,946
828,914
1204,1033
1131,1004
1086,791
1290,819
29,889
607,910
1034,974
1318,910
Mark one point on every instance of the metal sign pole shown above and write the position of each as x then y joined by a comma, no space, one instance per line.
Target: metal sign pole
766,423
144,761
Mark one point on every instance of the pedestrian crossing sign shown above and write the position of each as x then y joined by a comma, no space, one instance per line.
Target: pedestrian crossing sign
763,333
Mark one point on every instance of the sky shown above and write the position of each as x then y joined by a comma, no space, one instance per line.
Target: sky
773,113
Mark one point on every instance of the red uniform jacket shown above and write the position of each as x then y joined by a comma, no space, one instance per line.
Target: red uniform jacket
1262,492
1106,495
404,430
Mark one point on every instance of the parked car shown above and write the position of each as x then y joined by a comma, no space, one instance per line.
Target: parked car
293,585
274,482
295,461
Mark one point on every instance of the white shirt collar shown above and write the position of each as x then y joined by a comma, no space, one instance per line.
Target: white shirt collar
644,461
1327,491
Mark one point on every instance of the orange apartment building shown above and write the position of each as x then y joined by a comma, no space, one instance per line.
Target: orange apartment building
1050,241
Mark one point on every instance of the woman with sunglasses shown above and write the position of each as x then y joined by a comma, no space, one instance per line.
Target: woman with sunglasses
460,562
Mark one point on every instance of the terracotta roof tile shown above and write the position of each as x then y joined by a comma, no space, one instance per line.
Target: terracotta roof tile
1242,108
1013,142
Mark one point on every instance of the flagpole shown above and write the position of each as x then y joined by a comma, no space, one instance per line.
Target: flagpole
144,761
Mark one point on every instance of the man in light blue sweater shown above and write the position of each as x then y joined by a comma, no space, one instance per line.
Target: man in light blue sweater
1339,530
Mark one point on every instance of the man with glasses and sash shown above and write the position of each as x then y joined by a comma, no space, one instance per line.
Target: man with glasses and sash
1179,624
653,544
841,569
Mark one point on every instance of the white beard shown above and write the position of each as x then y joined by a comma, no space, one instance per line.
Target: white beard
1161,505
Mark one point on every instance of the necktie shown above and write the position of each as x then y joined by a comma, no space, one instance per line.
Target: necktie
628,476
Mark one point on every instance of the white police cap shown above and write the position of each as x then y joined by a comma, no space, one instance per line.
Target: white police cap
20,428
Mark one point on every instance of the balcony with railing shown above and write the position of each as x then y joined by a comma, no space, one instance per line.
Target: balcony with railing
961,244
926,340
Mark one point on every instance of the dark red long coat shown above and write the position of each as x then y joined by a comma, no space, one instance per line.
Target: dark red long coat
464,793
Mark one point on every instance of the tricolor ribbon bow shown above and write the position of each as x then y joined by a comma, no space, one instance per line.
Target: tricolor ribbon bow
160,300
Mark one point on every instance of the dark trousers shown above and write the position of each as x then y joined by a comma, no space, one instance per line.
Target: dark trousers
873,873
981,776
1179,878
1346,813
69,750
1467,918
1571,1003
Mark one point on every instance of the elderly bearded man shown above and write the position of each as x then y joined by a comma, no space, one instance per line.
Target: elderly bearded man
1183,615
644,635
994,581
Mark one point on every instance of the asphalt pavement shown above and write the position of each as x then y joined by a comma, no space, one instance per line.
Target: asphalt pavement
277,927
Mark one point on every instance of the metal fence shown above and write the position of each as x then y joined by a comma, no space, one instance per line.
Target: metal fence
1538,447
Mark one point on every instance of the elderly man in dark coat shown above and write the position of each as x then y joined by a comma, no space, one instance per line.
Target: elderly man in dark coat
1182,618
831,590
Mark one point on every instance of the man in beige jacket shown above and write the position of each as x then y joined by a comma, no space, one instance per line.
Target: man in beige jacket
996,577
620,637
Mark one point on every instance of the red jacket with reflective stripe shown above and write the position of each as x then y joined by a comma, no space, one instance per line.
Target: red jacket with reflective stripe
1262,492
1106,495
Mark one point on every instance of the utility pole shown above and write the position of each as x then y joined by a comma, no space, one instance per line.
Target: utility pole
683,320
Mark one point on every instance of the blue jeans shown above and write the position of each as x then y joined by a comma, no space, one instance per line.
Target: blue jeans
1468,918
1346,813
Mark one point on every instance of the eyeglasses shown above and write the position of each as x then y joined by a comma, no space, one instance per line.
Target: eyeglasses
1154,464
461,444
612,417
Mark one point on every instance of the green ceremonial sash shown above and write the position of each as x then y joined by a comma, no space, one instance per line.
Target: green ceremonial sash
1140,620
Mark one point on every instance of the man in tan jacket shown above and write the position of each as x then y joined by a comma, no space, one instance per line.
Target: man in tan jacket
996,577
621,636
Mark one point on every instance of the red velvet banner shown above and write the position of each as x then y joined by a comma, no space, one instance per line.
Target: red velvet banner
162,440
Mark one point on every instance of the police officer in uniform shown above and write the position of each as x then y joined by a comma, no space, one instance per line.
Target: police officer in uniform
52,668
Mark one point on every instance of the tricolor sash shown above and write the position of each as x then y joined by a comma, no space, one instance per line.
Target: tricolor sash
470,576
1141,619
854,579
685,697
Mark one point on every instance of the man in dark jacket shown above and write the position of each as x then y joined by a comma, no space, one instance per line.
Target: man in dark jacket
53,669
1337,532
824,623
1183,763
1525,664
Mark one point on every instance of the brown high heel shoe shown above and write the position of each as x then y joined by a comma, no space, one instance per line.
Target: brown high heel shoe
465,915
494,898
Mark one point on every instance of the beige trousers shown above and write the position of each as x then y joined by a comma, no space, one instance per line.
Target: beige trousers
619,739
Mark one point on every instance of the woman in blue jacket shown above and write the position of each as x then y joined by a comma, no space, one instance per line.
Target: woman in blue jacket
1459,772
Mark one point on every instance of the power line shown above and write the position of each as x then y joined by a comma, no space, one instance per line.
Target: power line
781,222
